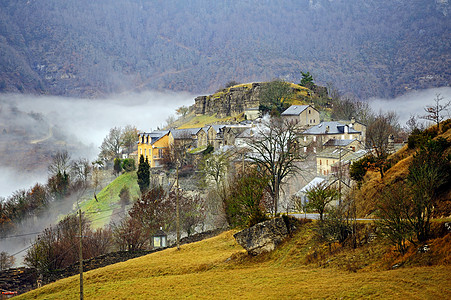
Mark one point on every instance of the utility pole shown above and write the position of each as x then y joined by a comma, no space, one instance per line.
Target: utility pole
177,207
339,176
80,256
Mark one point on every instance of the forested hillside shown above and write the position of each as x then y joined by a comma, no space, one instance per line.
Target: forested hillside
89,48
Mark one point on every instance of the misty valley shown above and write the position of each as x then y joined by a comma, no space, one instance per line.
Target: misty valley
293,149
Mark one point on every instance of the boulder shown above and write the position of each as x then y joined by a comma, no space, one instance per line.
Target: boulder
265,236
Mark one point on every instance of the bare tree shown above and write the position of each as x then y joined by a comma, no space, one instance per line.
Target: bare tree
378,133
111,145
60,163
81,170
320,196
347,107
129,136
182,111
214,166
6,261
412,124
435,111
273,150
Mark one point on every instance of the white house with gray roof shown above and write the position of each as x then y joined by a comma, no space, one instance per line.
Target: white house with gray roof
317,137
303,115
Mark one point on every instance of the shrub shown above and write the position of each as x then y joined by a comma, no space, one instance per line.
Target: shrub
128,165
245,203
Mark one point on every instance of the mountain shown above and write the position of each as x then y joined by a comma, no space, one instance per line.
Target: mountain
92,48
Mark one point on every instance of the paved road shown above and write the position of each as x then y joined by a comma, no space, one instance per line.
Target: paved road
306,216
316,217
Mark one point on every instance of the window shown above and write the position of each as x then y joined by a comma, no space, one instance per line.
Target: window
314,138
327,162
305,138
320,163
160,153
343,137
314,149
309,111
305,149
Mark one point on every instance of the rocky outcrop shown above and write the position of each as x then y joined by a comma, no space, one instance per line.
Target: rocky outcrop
229,102
265,236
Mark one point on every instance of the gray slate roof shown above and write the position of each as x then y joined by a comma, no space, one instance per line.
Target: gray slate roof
184,133
333,128
155,135
294,110
335,142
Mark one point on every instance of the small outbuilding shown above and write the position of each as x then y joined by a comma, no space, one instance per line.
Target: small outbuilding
159,239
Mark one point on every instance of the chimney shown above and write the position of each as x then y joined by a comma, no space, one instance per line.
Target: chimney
327,129
352,121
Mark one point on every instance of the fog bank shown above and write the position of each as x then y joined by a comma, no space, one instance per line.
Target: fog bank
91,119
411,103
86,122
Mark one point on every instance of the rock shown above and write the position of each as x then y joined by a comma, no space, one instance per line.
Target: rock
448,226
265,236
423,249
229,102
395,266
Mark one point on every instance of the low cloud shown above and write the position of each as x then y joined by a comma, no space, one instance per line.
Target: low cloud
87,121
91,119
411,103
12,180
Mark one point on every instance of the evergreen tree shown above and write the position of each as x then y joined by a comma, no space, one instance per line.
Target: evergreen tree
143,174
307,80
117,166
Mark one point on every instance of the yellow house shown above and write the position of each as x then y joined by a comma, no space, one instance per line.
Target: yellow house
153,145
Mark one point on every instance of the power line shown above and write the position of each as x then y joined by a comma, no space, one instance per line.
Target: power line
20,235
39,232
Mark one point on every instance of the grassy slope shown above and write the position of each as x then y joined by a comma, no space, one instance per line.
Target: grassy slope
99,212
219,268
201,121
368,193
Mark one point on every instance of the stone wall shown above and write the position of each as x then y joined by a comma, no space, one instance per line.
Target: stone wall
18,280
22,280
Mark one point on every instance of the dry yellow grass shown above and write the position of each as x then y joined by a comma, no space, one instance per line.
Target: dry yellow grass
203,270
368,193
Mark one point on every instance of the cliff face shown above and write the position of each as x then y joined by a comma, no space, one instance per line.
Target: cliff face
235,100
229,102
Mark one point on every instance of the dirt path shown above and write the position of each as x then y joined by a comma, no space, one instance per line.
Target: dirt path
48,136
